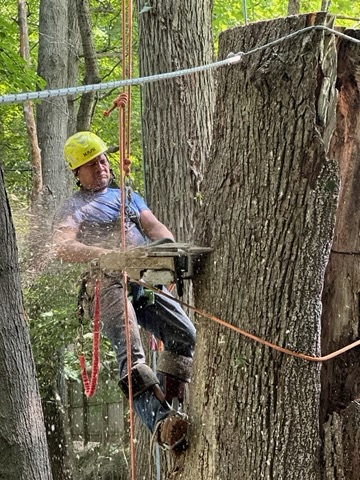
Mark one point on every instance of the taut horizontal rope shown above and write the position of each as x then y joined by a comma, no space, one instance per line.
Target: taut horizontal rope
231,59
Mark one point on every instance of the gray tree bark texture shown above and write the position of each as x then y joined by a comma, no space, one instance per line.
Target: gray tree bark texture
293,7
52,116
177,125
28,106
23,447
56,20
177,114
340,323
269,201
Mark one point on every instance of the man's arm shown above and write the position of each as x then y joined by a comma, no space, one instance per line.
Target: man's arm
153,229
67,248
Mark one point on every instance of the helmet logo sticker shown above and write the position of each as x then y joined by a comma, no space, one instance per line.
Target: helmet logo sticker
89,152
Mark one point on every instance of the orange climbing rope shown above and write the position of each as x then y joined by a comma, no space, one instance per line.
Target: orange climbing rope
123,103
284,350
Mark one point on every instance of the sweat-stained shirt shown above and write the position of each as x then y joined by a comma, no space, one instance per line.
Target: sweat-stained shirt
96,216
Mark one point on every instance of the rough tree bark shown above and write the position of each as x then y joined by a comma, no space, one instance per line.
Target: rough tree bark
177,119
270,196
340,377
52,126
177,114
74,42
52,116
23,448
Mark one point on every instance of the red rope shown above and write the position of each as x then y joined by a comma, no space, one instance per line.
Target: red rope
90,385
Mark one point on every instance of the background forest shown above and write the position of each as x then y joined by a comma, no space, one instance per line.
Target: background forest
50,290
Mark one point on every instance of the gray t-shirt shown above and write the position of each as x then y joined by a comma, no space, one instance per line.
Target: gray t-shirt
96,216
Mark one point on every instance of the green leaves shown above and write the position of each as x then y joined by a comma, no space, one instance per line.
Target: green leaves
15,75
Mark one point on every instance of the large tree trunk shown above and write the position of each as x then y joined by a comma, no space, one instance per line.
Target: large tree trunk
23,448
177,118
270,197
177,114
340,377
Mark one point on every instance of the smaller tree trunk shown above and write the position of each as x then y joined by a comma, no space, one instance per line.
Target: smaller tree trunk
28,108
52,129
73,39
88,100
325,4
293,7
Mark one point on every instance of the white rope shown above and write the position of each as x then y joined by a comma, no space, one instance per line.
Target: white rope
231,59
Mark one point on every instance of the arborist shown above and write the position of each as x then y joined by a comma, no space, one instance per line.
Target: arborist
88,225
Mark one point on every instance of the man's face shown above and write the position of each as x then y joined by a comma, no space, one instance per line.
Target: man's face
95,175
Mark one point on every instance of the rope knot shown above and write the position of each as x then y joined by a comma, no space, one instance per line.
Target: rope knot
127,166
119,101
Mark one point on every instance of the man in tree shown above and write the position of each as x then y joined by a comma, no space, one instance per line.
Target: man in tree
88,226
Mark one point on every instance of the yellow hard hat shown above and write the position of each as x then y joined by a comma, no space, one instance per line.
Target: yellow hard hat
82,147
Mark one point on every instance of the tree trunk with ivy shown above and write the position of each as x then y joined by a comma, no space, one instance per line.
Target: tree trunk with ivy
23,447
270,197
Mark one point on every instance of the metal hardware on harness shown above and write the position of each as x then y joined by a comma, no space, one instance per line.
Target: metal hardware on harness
158,263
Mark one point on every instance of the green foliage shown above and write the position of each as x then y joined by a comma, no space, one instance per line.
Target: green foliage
15,75
232,13
15,154
50,304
